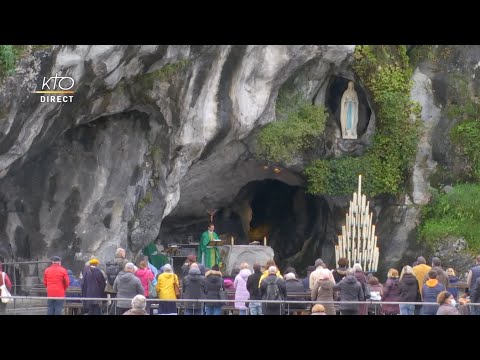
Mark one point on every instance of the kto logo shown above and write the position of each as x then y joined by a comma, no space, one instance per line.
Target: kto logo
60,86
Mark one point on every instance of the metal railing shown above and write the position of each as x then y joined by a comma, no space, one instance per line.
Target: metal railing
110,303
11,269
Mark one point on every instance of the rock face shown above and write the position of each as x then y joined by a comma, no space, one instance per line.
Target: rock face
156,136
151,131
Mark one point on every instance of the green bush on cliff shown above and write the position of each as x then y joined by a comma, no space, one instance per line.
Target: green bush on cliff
386,72
465,135
166,73
298,124
454,214
8,59
147,199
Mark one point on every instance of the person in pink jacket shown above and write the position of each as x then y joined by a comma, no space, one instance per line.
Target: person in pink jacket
145,275
241,292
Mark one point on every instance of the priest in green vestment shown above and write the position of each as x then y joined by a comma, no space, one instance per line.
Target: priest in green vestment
208,256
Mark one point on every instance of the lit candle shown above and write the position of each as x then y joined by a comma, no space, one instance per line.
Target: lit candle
264,241
232,240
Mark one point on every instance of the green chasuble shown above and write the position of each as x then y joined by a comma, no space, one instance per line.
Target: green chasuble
155,258
208,256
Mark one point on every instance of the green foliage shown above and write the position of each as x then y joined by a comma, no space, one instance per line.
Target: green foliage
41,47
438,56
10,54
454,214
166,73
147,199
465,135
298,124
8,59
386,72
156,153
288,102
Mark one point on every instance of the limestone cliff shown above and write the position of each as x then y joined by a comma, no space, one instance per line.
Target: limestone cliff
157,135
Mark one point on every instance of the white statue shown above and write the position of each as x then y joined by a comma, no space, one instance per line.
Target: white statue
349,112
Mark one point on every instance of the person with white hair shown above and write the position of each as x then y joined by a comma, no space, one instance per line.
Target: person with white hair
139,303
166,283
273,288
127,285
293,285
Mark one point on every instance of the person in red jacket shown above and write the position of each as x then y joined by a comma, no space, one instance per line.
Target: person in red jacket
56,281
8,284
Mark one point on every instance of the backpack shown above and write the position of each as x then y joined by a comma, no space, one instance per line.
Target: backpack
273,291
112,269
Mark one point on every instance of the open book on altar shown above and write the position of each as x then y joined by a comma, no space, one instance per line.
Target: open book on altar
216,242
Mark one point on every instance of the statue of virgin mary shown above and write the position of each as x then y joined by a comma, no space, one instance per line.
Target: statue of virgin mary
349,112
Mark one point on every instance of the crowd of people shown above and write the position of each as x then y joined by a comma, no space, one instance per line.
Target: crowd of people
250,283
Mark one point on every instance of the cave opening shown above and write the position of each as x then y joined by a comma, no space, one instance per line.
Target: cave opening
295,224
298,226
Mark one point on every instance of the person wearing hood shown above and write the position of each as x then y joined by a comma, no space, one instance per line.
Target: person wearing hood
350,290
213,284
230,289
241,292
193,287
145,275
409,292
166,290
430,292
127,285
73,281
323,291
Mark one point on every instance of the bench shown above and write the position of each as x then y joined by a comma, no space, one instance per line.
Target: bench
41,290
71,307
229,307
